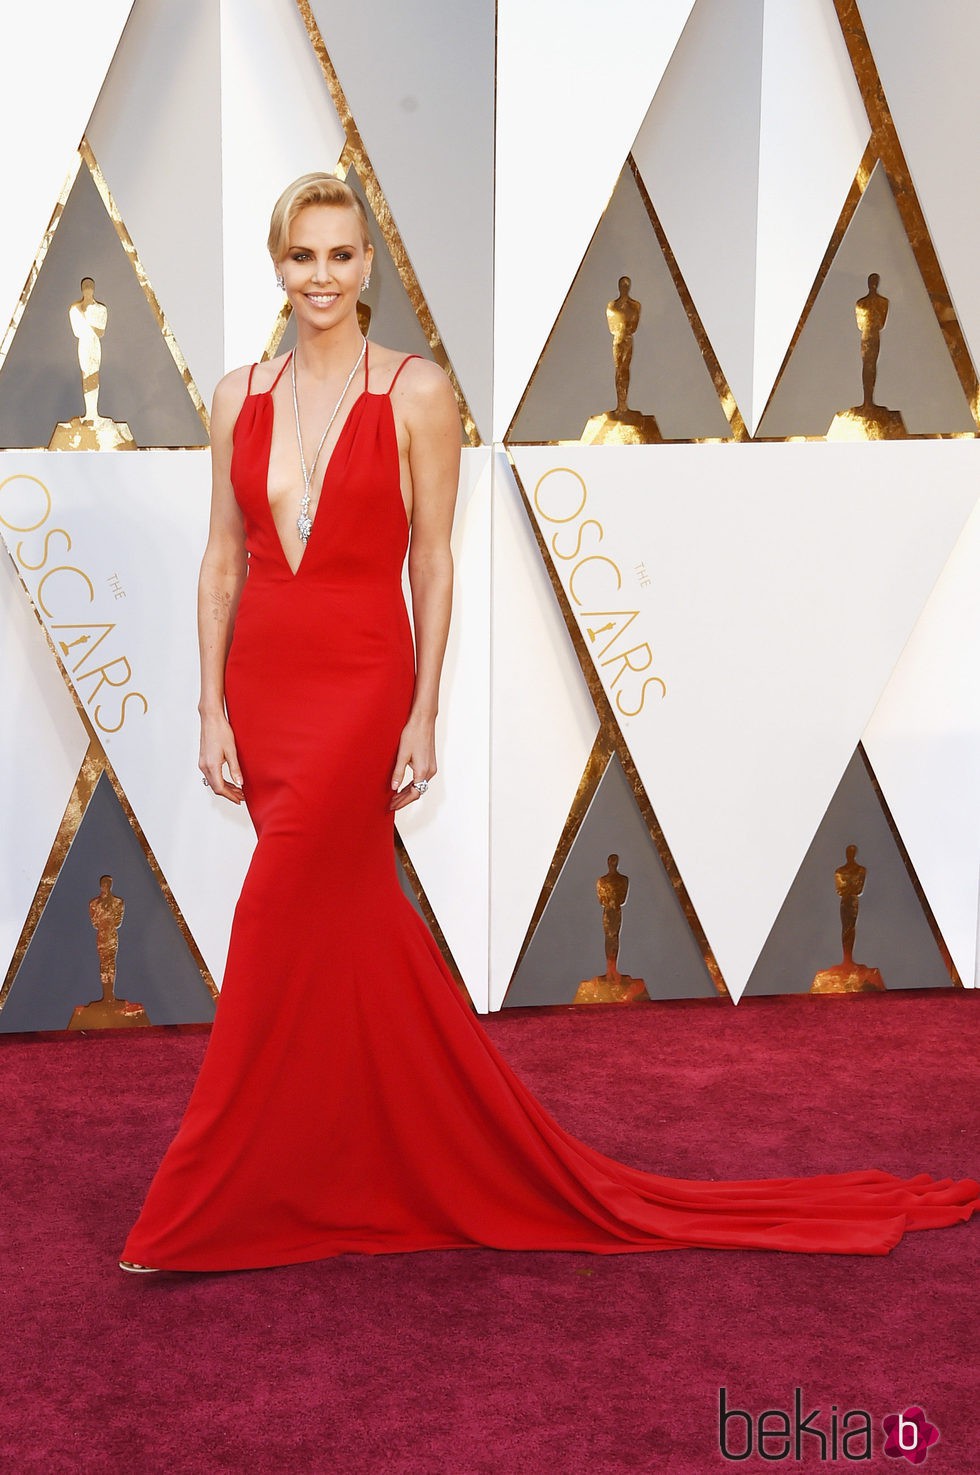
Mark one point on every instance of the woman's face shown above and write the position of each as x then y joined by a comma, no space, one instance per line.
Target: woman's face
324,264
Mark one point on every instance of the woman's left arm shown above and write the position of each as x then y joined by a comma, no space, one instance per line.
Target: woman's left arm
428,409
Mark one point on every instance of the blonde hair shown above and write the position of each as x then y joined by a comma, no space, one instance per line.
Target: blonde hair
311,189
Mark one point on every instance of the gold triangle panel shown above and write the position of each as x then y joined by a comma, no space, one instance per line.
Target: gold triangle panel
655,944
90,771
111,942
595,767
355,158
884,159
669,377
420,81
855,919
408,880
880,333
886,146
94,765
611,740
137,378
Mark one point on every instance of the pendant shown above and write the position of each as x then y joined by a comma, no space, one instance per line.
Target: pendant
304,526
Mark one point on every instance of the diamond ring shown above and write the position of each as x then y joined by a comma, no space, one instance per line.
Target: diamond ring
422,785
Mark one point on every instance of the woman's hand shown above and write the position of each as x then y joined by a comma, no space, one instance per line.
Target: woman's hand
417,751
217,751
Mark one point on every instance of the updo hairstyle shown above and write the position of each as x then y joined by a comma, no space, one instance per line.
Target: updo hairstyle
311,189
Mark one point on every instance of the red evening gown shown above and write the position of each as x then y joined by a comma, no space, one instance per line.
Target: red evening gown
349,1099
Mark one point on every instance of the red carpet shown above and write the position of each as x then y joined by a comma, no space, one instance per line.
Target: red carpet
490,1363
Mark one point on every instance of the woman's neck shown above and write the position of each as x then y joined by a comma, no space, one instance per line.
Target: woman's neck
324,354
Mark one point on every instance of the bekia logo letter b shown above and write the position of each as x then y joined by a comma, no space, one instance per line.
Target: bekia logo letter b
909,1435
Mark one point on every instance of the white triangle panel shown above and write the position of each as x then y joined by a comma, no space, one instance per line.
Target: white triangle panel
446,833
42,743
698,154
805,172
419,80
928,59
55,59
573,85
156,133
771,592
924,744
543,727
124,599
277,122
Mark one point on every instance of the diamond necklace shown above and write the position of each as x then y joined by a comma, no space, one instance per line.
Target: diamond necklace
304,523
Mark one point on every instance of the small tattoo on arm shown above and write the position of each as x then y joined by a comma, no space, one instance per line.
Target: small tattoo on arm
220,605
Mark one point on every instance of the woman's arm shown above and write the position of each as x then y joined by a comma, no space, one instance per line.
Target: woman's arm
432,420
223,570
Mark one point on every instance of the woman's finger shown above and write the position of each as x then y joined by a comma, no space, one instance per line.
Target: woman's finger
401,763
407,795
231,759
214,777
410,793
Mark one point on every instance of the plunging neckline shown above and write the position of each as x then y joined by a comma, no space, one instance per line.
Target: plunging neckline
326,470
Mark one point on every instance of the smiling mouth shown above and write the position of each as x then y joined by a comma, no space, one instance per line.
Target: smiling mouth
322,299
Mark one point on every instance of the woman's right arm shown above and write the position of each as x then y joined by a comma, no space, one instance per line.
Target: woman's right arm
223,571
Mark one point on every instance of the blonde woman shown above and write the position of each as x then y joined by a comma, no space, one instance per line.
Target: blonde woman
349,1100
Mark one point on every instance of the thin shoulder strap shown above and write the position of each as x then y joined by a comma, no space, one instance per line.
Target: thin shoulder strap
281,371
400,367
367,356
250,373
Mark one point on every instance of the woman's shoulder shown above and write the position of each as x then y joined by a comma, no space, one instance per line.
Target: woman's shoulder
233,389
252,378
417,377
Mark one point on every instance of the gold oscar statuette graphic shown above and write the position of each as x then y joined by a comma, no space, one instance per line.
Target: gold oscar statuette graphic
91,431
848,977
622,426
868,421
612,987
106,913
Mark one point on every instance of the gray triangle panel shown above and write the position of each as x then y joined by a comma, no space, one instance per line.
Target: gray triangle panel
407,888
915,374
419,80
656,943
60,970
575,377
393,319
139,383
893,933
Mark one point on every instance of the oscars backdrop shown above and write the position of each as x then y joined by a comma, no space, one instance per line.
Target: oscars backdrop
703,275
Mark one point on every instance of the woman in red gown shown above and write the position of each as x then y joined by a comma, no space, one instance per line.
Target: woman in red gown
349,1100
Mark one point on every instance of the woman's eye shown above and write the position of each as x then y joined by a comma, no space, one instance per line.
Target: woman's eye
343,256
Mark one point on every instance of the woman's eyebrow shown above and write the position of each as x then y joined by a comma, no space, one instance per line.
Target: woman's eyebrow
346,246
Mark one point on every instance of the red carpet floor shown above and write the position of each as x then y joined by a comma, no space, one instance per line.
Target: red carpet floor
489,1363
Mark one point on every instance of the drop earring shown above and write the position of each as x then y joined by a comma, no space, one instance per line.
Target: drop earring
365,283
281,283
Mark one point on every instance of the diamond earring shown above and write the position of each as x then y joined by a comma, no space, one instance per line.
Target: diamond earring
281,283
365,283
